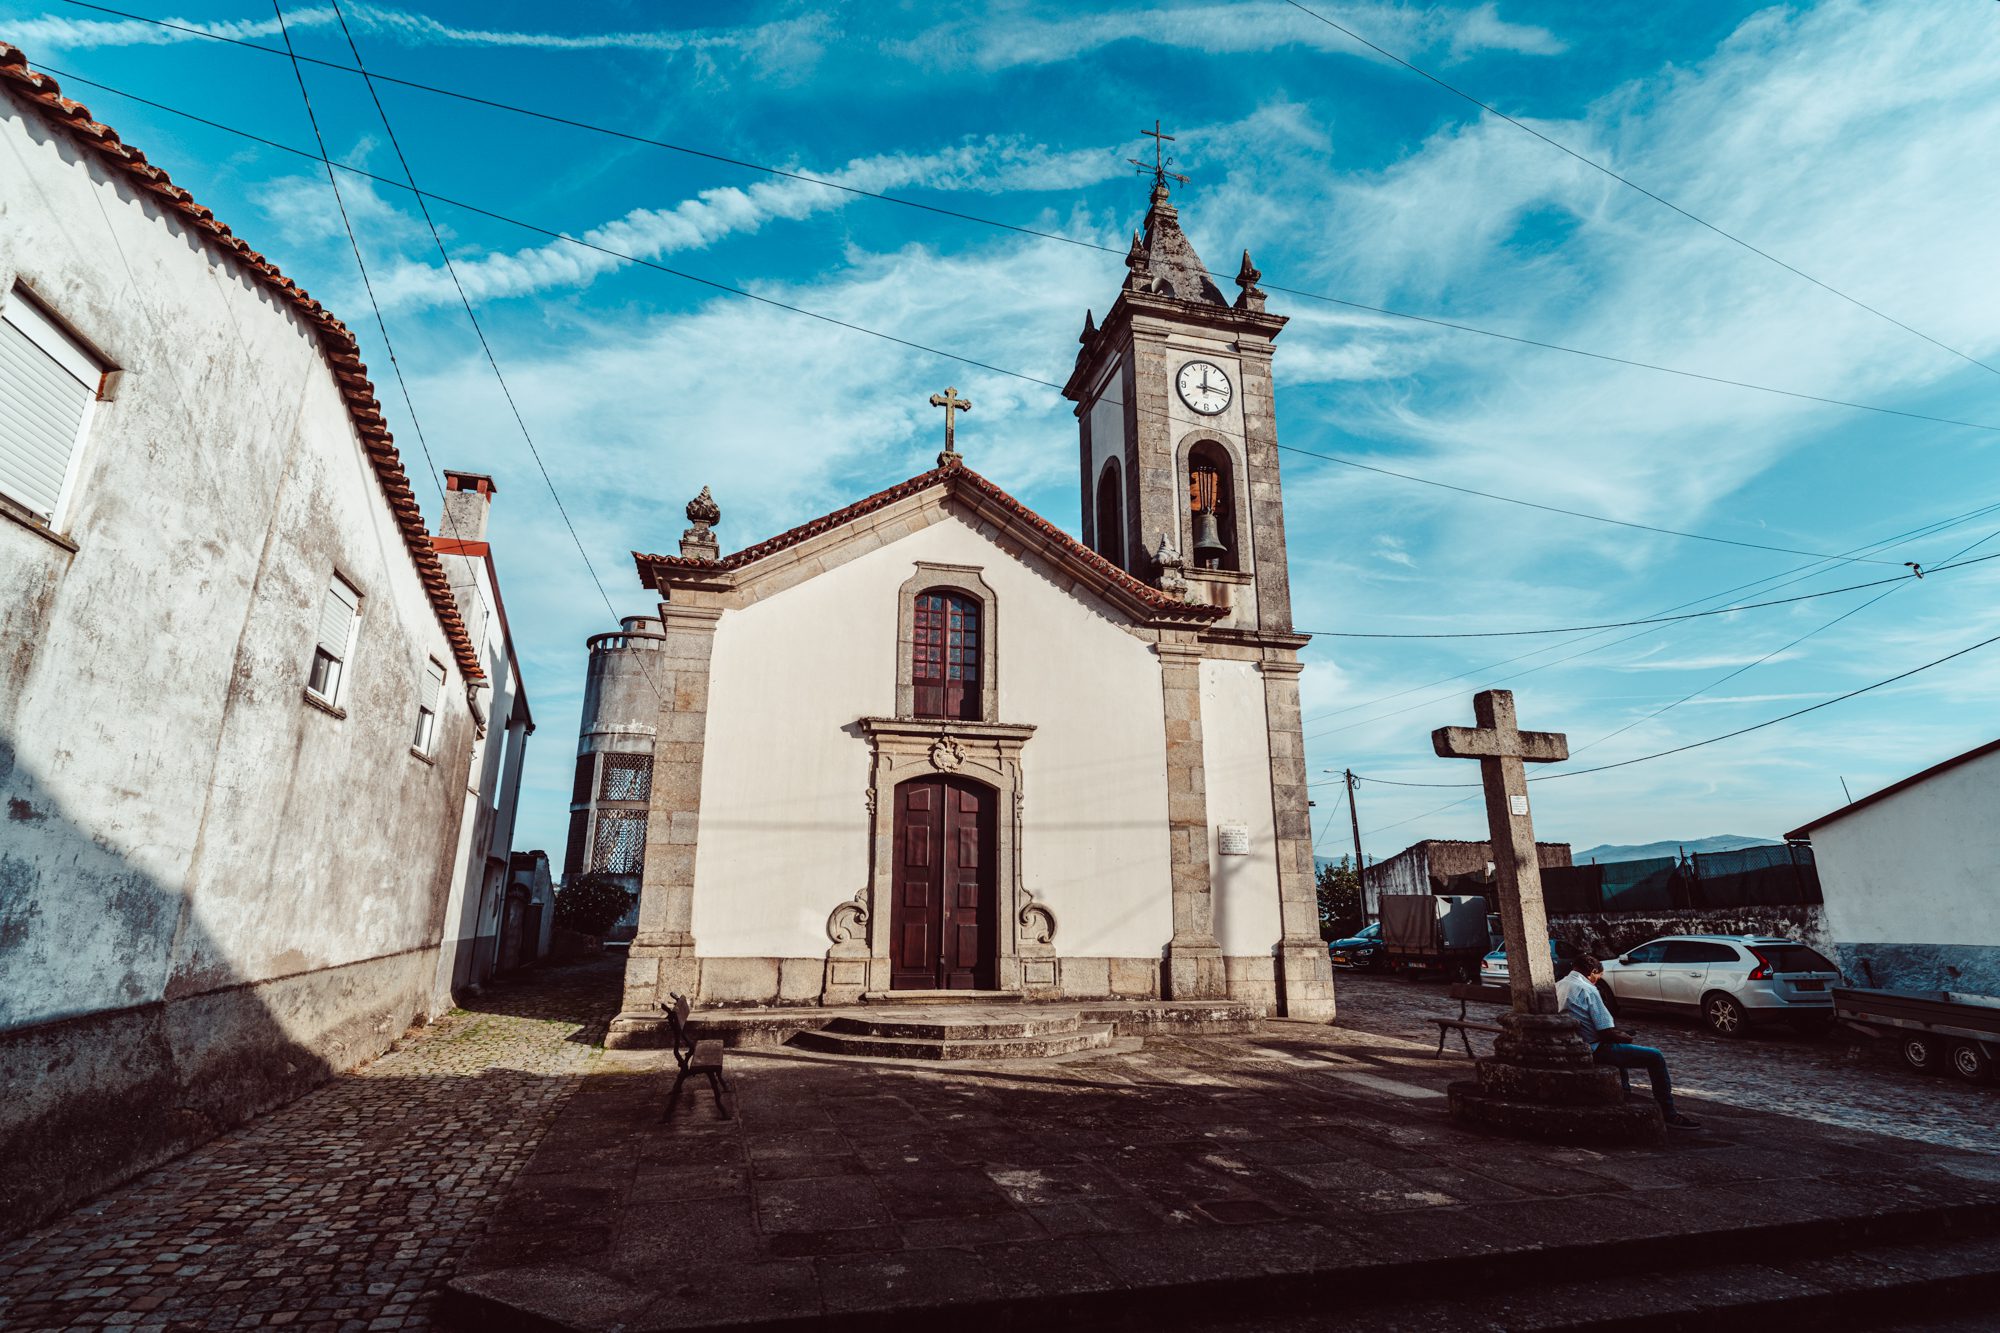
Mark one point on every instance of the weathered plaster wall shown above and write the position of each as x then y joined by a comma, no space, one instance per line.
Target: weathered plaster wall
784,830
1237,766
212,893
1910,885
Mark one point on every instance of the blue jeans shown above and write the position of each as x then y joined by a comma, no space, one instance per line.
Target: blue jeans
1623,1055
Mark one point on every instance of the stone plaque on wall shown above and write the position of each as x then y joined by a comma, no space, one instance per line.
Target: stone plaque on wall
1232,839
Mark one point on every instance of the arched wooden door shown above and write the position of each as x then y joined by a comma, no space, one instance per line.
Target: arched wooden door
942,918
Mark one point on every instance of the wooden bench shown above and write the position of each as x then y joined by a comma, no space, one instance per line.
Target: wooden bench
694,1057
1463,1025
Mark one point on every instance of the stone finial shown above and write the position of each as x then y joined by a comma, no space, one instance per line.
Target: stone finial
1251,297
1089,327
1173,570
698,542
1135,264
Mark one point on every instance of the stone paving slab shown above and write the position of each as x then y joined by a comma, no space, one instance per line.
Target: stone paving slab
1195,1173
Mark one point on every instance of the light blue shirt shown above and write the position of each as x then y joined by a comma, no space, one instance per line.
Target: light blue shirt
1579,999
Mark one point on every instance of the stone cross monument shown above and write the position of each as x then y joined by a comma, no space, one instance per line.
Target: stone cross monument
1541,1080
1501,748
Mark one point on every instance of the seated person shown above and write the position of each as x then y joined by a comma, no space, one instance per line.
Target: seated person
1576,995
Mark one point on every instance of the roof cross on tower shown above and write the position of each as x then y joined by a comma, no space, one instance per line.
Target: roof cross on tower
1161,161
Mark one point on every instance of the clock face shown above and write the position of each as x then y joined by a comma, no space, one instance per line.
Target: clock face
1203,387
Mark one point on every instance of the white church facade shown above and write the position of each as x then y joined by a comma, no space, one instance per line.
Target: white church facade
930,742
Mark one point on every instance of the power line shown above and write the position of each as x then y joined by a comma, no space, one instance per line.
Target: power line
477,329
1802,573
1725,736
1748,666
354,242
960,215
851,326
1631,184
1651,620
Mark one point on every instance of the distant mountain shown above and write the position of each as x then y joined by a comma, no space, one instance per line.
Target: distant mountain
1727,842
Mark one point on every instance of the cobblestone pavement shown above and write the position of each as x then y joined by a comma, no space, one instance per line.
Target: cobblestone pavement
1833,1079
344,1210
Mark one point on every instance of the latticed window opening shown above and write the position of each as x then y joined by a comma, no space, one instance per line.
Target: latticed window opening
1204,485
944,667
621,842
627,777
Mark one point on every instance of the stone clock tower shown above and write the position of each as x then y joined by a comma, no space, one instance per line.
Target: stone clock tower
1179,438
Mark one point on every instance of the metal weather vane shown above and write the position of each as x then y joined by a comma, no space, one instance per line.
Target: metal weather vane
1158,168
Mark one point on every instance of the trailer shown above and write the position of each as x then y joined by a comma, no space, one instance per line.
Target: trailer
1447,932
1935,1031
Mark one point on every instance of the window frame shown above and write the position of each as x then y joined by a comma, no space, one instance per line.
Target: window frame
79,358
424,745
961,580
333,698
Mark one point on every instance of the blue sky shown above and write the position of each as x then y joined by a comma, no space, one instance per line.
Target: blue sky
1859,143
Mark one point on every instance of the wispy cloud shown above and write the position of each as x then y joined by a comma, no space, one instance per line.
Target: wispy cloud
794,37
1003,41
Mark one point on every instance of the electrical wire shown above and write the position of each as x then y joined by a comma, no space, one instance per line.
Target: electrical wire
806,178
851,326
1631,184
1650,620
478,330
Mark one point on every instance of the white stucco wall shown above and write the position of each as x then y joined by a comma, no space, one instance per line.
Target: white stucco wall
785,827
1917,867
186,820
1237,766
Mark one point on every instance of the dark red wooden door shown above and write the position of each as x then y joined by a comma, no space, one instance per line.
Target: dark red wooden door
942,921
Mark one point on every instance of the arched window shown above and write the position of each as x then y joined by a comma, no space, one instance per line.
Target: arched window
945,655
1111,515
1211,508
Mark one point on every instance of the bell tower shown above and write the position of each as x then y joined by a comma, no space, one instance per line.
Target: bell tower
1178,429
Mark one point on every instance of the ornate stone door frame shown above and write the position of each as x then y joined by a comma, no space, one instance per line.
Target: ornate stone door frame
986,752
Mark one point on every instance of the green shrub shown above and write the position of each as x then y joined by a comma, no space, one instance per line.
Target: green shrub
591,903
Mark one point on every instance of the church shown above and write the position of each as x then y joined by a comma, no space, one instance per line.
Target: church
930,743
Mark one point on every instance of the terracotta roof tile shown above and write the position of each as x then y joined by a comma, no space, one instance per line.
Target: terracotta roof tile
953,475
337,344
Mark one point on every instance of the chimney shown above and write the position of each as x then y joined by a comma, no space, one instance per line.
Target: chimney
466,498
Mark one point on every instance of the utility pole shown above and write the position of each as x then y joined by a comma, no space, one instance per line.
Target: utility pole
1354,822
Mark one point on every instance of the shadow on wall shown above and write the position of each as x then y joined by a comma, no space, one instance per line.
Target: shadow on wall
140,1063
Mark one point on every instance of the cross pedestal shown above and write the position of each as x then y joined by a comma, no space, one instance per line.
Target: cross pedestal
1541,1081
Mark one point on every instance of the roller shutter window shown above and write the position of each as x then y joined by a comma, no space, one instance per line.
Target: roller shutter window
48,386
337,616
431,694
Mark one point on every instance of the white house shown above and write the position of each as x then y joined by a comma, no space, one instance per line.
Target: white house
234,719
475,915
929,741
1911,876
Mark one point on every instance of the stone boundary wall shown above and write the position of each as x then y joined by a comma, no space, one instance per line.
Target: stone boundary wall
1608,934
99,1098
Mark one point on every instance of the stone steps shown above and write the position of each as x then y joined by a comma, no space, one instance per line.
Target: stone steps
956,1027
956,1042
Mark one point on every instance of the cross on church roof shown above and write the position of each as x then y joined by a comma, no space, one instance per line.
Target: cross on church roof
952,404
1160,160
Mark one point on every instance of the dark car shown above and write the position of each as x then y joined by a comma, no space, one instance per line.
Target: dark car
1363,949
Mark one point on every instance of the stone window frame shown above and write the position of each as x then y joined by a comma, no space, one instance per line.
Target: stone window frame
969,581
1240,555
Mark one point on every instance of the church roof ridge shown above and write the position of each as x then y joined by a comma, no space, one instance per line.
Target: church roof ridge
652,568
337,344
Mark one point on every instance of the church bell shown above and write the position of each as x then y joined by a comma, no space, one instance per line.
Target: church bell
1208,547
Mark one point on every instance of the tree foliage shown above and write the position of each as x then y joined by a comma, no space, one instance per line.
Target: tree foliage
591,903
1340,910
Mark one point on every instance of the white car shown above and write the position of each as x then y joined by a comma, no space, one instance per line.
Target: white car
1731,981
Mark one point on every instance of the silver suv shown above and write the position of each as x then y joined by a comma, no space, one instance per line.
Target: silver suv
1732,981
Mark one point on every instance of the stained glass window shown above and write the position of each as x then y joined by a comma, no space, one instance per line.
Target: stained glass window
944,665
